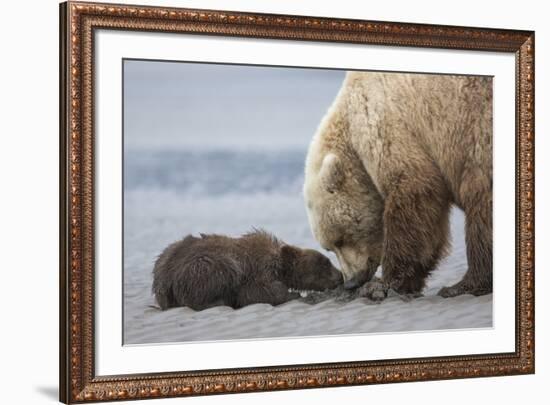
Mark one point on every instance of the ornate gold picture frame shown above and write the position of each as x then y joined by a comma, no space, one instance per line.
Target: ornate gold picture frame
79,381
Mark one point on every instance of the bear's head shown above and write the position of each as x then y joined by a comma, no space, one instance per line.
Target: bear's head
307,269
345,213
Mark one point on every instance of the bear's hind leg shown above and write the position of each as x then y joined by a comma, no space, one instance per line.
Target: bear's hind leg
205,280
416,229
476,195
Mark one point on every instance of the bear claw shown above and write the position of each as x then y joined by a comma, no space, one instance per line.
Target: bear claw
461,288
374,290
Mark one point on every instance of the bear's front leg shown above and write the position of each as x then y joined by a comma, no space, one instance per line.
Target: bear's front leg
416,228
274,293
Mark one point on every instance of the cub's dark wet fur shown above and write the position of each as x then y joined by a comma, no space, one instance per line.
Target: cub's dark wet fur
216,270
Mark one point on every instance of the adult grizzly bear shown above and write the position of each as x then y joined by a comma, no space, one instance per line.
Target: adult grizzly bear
391,156
218,270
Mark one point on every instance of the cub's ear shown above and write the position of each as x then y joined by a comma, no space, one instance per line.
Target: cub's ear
289,253
331,173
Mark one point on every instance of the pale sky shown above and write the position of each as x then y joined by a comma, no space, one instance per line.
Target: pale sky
172,105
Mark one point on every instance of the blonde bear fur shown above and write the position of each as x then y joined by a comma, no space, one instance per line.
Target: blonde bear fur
390,157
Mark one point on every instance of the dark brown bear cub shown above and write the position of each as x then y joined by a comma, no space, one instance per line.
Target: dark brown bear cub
216,270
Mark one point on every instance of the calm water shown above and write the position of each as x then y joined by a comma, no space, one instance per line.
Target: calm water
215,172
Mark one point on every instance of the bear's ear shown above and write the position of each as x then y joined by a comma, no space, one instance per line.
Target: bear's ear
289,254
331,173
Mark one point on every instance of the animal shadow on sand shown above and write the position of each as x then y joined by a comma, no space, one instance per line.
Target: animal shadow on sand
342,295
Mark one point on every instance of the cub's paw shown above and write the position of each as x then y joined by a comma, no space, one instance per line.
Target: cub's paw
294,295
374,290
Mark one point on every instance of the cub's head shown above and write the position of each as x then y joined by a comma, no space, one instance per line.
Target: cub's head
307,269
345,214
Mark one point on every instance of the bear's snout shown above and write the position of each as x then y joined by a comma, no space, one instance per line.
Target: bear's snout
362,277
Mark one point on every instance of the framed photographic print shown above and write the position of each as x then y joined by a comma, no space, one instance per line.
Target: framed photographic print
263,202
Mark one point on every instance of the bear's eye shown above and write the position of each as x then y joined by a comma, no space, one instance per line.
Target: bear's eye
339,243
